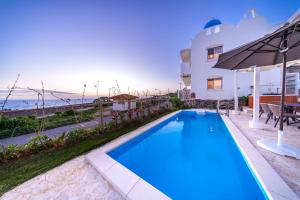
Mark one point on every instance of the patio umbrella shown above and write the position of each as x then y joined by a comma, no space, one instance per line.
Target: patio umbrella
279,47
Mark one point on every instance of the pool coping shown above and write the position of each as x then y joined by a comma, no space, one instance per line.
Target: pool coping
131,186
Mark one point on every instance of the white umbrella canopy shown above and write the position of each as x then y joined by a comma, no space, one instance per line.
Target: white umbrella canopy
278,48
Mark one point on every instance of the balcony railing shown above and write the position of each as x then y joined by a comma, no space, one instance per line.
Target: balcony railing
185,69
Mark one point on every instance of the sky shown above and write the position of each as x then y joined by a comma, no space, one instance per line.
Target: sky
67,44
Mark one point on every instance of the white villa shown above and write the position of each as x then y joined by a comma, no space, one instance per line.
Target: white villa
201,81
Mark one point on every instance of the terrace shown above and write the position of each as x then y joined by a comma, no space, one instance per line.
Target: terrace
288,168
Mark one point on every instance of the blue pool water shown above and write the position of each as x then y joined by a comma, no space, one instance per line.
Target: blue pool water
190,156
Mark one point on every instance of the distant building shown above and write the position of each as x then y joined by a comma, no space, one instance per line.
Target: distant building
205,82
123,102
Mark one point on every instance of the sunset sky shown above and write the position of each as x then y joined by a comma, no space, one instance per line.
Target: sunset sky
67,44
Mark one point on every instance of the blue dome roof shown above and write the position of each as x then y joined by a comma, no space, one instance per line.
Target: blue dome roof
212,22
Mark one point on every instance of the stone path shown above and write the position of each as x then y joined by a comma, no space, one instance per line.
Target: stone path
288,168
22,139
73,180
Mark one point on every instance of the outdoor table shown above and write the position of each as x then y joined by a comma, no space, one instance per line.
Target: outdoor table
293,105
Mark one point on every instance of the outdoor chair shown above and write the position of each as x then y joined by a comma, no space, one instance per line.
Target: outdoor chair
297,110
275,109
294,116
265,109
261,111
276,113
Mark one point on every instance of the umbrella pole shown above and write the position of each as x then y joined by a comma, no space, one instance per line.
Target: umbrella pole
280,131
284,54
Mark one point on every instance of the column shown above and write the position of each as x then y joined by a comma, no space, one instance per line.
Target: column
254,123
235,91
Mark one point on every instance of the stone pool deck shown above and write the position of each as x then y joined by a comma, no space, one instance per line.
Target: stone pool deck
72,180
288,168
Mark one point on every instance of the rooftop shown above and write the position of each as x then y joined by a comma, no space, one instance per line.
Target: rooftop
123,97
211,23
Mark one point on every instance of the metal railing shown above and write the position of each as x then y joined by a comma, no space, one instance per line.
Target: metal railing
226,104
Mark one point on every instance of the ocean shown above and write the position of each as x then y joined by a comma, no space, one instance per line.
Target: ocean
23,104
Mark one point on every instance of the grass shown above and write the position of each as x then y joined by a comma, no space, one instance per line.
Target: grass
19,171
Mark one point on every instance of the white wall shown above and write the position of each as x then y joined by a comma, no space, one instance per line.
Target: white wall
123,106
270,81
230,37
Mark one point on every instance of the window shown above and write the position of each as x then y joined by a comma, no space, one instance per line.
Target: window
214,52
217,29
208,31
214,83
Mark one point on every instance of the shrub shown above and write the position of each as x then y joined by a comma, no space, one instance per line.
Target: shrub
162,110
5,133
58,113
59,141
68,113
111,125
76,135
244,100
31,117
122,116
184,106
37,143
17,125
154,114
176,102
9,152
136,121
125,123
2,152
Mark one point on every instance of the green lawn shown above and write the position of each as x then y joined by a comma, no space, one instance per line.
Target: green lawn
19,171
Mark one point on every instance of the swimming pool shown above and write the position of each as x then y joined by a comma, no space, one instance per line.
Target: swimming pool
190,156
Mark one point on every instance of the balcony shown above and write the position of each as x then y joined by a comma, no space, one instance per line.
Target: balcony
185,69
185,73
185,55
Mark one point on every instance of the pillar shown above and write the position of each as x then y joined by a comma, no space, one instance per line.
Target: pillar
235,92
254,123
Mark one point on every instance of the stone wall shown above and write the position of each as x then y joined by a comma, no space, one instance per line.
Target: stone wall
211,104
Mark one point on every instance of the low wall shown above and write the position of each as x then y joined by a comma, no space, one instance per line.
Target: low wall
273,98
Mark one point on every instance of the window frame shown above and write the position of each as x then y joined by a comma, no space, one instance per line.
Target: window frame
214,55
208,31
213,80
217,29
